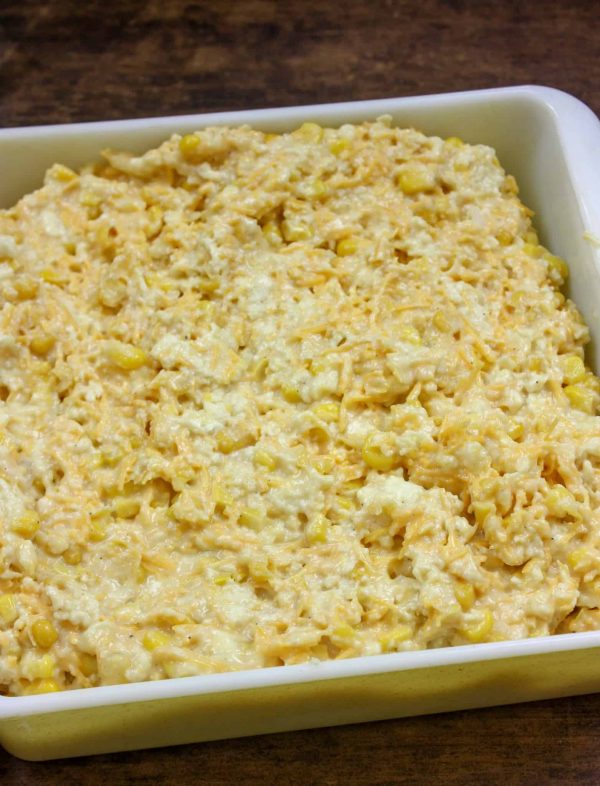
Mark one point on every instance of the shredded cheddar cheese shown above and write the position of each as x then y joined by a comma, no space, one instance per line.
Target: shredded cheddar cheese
267,399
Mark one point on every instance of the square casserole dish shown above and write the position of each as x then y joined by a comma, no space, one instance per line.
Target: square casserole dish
551,143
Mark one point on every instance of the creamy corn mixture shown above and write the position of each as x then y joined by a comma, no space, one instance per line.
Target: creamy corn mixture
269,399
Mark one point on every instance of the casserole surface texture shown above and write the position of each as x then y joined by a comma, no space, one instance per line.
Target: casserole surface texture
275,399
549,141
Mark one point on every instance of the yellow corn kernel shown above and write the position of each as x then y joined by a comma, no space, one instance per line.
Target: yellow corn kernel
272,233
578,558
573,369
62,173
510,184
389,641
104,238
337,146
481,629
557,265
560,502
156,282
317,189
516,430
42,667
178,668
316,530
505,237
375,458
154,215
342,635
465,594
413,180
258,368
271,137
228,444
345,503
90,199
98,527
559,299
309,132
88,664
26,288
27,524
72,556
533,249
515,298
409,334
531,236
317,434
259,570
359,571
350,486
265,460
155,638
323,464
251,518
44,633
8,609
328,411
221,498
188,145
291,394
511,522
580,397
207,285
347,246
481,510
126,508
454,141
51,276
42,344
440,322
126,356
293,232
223,579
41,686
535,363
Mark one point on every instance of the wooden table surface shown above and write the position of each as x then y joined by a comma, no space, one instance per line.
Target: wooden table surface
87,60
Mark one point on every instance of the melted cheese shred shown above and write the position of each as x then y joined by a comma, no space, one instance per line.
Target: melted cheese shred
267,399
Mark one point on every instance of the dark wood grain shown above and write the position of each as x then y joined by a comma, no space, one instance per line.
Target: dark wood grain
96,59
85,60
553,742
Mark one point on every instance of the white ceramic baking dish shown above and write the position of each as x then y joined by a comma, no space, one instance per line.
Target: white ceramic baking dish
551,142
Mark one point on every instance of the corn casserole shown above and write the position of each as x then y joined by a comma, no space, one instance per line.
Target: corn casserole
270,399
